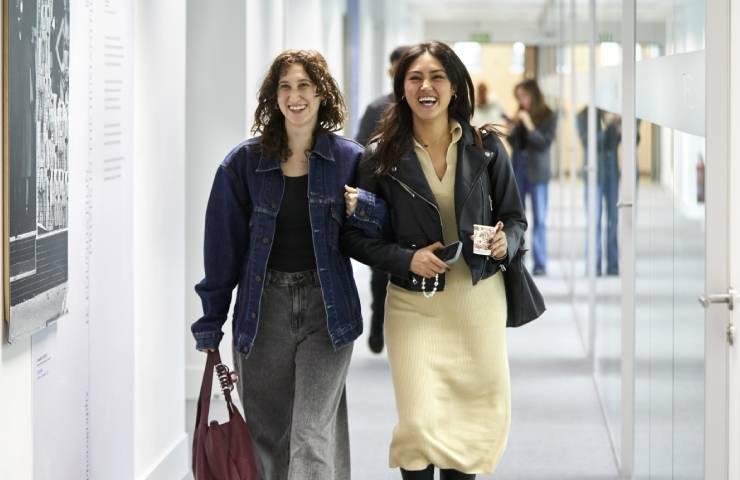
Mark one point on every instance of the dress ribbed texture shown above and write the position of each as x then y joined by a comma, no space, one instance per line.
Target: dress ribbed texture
448,358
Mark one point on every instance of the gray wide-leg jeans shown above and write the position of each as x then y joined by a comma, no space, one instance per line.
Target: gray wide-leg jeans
292,385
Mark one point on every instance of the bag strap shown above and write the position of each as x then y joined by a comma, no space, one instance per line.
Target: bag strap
204,399
226,379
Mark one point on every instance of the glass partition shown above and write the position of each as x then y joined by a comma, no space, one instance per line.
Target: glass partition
670,239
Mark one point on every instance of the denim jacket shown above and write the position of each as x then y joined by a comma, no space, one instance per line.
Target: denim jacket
240,228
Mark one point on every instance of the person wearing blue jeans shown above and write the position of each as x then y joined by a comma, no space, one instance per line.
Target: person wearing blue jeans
272,233
608,129
531,132
538,192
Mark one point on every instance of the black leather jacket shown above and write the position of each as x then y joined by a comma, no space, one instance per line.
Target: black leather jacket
485,192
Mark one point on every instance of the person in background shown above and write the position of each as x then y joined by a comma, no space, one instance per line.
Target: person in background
531,132
487,109
608,138
379,280
272,230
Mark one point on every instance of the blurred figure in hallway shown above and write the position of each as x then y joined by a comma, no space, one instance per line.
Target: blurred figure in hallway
379,280
531,132
608,138
487,109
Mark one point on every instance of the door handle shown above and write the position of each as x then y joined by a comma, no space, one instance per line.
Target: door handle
621,204
729,298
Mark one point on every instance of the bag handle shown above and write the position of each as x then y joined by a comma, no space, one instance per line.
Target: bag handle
226,378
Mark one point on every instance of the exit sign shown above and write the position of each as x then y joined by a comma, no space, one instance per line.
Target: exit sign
480,37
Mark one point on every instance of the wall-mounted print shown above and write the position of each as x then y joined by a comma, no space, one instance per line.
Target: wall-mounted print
35,162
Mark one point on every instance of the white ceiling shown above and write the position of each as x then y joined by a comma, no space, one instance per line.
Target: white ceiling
532,10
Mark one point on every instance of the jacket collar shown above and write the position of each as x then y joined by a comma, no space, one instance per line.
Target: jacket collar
471,162
322,148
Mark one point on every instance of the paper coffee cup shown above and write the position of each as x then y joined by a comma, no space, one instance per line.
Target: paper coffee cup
482,236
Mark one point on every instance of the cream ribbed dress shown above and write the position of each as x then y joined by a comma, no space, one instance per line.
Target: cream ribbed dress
448,357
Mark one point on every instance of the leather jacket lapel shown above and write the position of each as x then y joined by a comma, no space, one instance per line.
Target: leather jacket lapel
472,162
410,173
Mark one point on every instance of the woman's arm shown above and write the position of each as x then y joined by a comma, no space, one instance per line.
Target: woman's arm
542,136
507,202
365,210
377,250
225,245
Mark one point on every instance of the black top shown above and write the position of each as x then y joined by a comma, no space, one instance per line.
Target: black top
292,248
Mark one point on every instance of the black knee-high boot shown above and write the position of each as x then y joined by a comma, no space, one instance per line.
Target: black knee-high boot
426,474
455,475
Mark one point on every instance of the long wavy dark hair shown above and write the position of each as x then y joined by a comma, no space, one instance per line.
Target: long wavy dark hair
395,132
538,110
270,121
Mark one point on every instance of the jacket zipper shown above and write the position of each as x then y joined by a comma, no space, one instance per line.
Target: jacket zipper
416,194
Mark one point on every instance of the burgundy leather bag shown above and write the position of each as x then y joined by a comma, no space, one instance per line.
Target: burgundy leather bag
221,451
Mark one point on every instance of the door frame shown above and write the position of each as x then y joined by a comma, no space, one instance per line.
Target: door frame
717,269
733,367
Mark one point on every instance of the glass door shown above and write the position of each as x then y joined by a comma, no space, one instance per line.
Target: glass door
670,211
681,211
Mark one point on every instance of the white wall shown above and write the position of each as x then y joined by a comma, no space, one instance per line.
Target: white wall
217,119
160,442
16,447
130,422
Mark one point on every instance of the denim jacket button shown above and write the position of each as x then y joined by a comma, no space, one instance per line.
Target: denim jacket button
265,240
254,315
273,205
363,213
258,278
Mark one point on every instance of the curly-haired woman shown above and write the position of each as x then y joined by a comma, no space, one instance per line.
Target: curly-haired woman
272,230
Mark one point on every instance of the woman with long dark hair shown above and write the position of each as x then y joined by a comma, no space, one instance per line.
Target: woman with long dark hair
531,132
445,322
272,230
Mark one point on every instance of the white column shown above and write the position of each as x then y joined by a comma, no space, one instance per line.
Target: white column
161,443
718,211
222,81
627,238
734,222
591,170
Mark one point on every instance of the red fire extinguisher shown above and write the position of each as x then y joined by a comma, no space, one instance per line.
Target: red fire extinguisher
700,179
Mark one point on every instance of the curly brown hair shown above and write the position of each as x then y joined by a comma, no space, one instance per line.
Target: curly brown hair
269,120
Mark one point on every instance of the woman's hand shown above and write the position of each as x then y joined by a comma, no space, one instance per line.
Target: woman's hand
426,264
526,119
499,244
350,199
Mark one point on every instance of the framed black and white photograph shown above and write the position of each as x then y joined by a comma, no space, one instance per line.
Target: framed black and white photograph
35,162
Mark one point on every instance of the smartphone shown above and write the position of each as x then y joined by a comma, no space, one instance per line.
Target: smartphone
449,253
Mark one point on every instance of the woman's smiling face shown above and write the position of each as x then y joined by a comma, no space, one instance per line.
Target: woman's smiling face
427,88
297,97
